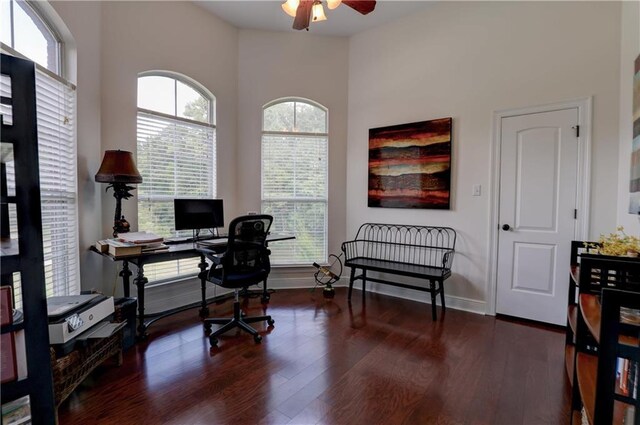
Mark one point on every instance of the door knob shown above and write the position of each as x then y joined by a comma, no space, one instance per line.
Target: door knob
506,227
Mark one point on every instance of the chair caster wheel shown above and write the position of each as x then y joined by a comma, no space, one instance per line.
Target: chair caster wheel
213,341
257,339
270,322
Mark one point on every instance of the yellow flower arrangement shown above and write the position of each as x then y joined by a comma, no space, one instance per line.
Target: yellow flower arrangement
618,243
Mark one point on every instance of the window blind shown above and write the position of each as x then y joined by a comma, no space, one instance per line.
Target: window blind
177,159
55,113
55,109
294,191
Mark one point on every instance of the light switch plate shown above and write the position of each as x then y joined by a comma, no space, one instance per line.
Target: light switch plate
477,190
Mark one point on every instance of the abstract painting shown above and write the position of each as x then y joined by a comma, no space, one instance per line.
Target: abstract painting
410,165
634,184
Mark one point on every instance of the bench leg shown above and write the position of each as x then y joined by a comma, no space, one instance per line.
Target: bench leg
353,274
432,285
442,295
364,281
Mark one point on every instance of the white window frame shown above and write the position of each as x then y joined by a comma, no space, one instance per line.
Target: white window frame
191,270
33,10
64,281
325,200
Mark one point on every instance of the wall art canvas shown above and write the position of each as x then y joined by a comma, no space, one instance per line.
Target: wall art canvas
634,184
410,165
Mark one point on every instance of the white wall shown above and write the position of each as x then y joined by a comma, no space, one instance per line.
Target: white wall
116,41
463,60
273,65
629,51
467,60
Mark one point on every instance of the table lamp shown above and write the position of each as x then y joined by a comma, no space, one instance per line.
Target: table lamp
119,170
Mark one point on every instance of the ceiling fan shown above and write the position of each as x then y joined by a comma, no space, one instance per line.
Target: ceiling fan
307,11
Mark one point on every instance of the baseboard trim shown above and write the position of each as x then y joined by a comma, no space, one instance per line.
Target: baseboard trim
167,296
452,301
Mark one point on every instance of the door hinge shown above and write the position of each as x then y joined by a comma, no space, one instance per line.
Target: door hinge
577,128
575,214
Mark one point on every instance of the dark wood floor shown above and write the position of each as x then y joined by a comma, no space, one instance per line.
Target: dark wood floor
382,361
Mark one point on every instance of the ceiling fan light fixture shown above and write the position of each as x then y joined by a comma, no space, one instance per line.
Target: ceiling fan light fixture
332,4
317,12
290,7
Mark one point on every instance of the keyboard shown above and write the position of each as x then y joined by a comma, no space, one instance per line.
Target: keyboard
175,241
201,239
212,242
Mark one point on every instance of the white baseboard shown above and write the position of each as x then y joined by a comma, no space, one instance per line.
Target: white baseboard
164,297
452,301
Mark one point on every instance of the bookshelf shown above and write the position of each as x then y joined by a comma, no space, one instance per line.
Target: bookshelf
597,337
22,262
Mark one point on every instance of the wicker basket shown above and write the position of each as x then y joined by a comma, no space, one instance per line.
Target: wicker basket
69,371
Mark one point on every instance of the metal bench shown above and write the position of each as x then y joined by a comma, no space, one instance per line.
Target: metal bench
422,252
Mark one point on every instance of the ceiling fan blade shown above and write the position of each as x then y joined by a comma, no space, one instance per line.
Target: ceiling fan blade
303,15
362,6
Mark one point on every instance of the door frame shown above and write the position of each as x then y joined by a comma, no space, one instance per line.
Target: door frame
583,189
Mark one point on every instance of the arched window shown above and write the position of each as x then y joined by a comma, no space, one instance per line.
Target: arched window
294,178
24,30
176,155
26,33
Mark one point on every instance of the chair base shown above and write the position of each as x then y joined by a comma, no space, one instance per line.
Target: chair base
237,321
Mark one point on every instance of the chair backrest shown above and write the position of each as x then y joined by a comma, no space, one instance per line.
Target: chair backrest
246,247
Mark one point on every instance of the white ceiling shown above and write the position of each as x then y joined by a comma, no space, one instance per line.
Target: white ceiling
342,21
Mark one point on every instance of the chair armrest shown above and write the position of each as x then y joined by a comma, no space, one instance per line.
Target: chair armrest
215,257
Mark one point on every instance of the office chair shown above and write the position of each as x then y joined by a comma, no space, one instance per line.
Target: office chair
244,263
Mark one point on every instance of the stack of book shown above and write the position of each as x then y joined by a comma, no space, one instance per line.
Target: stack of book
627,374
13,363
134,243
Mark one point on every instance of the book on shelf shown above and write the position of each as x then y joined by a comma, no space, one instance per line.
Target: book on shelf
8,364
13,356
17,412
629,316
627,374
629,415
6,305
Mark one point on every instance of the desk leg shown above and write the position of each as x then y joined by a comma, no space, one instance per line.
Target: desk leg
140,281
204,310
125,274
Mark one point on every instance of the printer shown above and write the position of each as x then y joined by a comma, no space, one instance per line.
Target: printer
70,316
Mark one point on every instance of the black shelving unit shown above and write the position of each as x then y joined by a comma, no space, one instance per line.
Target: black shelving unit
24,254
599,286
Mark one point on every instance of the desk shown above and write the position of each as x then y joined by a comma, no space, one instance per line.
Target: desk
175,252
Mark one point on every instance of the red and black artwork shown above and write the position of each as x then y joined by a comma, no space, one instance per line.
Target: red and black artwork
410,165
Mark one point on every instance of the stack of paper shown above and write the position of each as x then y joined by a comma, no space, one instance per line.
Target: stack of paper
140,238
135,243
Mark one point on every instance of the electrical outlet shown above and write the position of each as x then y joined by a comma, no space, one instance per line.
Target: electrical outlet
477,190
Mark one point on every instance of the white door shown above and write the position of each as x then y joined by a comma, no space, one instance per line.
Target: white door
538,169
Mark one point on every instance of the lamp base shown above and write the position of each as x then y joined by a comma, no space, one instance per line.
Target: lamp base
120,226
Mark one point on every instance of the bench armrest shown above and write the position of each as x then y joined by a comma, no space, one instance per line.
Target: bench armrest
350,249
447,259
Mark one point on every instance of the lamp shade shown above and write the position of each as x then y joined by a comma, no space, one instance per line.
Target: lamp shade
290,7
118,167
317,12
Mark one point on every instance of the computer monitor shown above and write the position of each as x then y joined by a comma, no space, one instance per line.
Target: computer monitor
195,214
